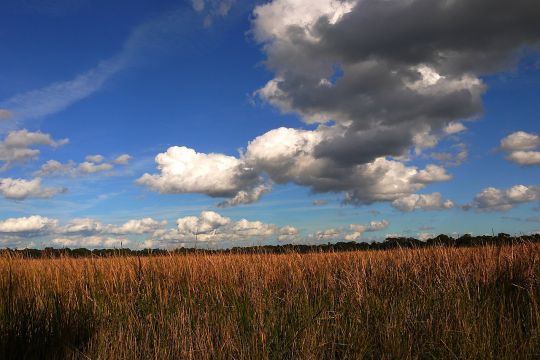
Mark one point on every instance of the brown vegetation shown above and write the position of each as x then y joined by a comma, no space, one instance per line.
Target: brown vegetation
440,302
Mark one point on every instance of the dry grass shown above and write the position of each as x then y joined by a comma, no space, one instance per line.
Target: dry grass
466,303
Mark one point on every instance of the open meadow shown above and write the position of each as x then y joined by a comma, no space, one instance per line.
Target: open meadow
442,302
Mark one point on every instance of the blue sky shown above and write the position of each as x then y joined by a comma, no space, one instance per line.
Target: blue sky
131,80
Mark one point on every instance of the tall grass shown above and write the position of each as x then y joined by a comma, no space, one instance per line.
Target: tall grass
455,303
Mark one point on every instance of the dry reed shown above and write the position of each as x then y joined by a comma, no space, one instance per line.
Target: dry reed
455,303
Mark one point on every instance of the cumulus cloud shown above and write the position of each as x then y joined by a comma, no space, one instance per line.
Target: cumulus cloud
246,197
432,173
29,226
82,227
90,242
526,158
19,146
422,202
326,235
356,230
379,79
384,76
521,148
91,168
138,226
454,128
53,167
286,155
520,140
90,227
493,199
95,158
398,93
207,223
79,232
290,155
122,159
20,189
211,227
288,234
183,170
93,164
352,233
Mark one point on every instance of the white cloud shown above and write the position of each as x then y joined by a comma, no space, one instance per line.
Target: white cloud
93,164
207,222
23,138
91,168
30,226
525,158
90,242
274,19
424,236
211,227
20,189
122,159
286,155
79,232
454,128
356,230
288,234
247,229
432,173
53,167
520,148
290,155
95,158
352,233
138,226
182,170
520,140
326,70
493,199
422,202
89,227
82,226
246,196
327,235
377,89
19,146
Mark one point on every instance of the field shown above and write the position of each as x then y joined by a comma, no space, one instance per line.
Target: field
451,303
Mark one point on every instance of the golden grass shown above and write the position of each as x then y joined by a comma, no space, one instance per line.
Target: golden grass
455,303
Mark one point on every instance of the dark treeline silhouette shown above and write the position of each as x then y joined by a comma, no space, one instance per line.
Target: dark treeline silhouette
390,243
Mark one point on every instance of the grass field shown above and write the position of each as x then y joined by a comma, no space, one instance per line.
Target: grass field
452,303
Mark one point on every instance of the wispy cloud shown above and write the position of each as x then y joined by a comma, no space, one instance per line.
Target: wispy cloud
59,95
153,35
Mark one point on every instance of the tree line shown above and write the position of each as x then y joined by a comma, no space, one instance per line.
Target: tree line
389,243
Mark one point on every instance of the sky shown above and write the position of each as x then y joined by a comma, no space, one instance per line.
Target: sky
219,123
